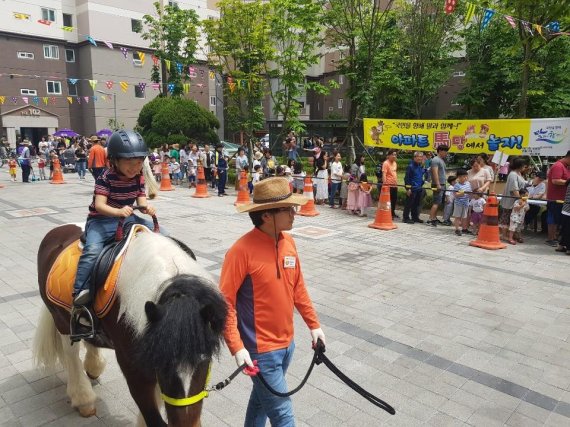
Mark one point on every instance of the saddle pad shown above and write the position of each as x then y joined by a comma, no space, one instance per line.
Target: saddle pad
61,277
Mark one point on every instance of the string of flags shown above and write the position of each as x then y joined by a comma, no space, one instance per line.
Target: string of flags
552,28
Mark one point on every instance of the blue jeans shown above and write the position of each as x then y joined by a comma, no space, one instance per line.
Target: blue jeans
99,232
262,404
81,167
222,177
335,186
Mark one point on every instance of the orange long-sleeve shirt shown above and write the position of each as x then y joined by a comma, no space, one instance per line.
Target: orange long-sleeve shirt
260,305
97,157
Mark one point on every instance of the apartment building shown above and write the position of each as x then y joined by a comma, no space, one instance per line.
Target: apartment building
52,76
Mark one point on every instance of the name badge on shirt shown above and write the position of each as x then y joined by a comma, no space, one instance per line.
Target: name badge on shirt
289,262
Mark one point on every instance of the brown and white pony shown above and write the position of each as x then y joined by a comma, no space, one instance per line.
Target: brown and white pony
165,327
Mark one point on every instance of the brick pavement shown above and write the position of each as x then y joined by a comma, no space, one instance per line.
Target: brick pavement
447,333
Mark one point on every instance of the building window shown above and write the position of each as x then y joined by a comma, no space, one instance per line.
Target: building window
69,55
32,92
137,60
458,74
212,101
340,103
51,51
67,20
71,89
53,87
340,79
48,14
139,93
136,25
25,55
173,4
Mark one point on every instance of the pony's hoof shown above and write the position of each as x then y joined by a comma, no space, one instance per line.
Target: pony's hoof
92,377
87,411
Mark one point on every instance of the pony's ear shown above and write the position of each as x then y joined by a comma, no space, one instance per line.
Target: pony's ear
153,312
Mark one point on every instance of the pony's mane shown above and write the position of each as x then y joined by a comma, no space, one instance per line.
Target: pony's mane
150,262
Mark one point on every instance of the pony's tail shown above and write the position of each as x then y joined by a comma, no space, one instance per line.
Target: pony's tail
150,182
47,347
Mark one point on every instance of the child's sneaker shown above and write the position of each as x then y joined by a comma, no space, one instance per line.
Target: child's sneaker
458,232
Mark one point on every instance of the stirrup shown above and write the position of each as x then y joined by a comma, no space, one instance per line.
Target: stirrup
79,331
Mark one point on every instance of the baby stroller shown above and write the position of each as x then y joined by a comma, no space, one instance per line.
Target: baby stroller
68,161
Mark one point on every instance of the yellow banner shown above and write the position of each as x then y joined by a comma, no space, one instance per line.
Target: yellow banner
462,136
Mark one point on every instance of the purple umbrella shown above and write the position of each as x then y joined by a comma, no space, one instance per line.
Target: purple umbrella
66,133
104,133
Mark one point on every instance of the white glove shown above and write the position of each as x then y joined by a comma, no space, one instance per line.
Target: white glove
316,334
242,356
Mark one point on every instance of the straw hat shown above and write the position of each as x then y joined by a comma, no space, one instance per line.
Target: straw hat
94,138
272,193
258,155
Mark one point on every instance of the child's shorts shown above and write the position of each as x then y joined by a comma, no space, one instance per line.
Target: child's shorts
460,211
12,171
515,226
176,175
476,217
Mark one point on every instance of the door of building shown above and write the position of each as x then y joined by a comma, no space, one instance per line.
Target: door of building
35,135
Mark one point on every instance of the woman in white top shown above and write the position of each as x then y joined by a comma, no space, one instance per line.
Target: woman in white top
241,164
336,178
479,177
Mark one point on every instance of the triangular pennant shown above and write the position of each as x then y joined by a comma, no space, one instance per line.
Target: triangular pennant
155,86
186,87
109,84
155,60
141,56
46,100
52,99
94,98
170,87
192,72
70,99
125,52
450,6
68,29
86,99
487,18
167,62
553,26
72,81
527,27
179,67
36,100
25,99
200,84
232,87
108,44
14,100
93,84
511,21
142,86
78,99
103,97
124,86
469,13
2,100
212,75
91,40
19,15
44,22
538,29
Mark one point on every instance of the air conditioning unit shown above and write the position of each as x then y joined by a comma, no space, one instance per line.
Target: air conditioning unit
137,63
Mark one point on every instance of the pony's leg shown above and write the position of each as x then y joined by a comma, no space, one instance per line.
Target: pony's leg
140,419
79,387
94,363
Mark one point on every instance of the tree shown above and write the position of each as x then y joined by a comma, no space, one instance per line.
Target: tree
175,120
173,34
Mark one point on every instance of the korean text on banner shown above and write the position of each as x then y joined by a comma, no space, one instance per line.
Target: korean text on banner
462,136
549,137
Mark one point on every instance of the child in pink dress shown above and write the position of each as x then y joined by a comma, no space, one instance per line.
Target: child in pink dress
364,197
352,198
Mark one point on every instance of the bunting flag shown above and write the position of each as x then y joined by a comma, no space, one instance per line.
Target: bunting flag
36,100
23,16
243,83
94,98
2,100
73,81
141,56
86,99
192,72
70,99
108,44
230,79
526,26
200,84
142,86
124,86
91,40
212,75
155,86
14,100
44,22
125,52
186,87
103,97
171,87
487,18
232,87
109,84
52,99
167,62
45,99
553,26
155,60
179,67
68,29
450,6
25,99
469,13
538,29
511,21
78,99
93,84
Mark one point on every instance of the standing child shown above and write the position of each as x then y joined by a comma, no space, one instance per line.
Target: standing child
157,170
12,164
352,199
461,203
191,172
477,203
174,169
517,218
449,197
42,167
364,198
344,187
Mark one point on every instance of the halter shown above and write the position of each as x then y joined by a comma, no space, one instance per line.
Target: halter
191,400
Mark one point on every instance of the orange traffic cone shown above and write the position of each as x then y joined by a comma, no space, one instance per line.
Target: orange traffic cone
243,192
383,220
488,237
57,177
165,184
308,209
201,186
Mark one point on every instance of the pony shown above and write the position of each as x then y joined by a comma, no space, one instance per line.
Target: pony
165,326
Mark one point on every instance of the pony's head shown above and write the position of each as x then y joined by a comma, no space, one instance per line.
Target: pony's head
183,334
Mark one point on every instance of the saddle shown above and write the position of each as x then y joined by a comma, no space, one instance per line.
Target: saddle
103,279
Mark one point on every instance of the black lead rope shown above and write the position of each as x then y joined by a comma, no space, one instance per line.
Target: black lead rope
318,358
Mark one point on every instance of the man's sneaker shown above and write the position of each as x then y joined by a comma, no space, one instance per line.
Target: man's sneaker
458,232
408,221
446,223
82,298
419,221
432,222
466,231
553,243
437,221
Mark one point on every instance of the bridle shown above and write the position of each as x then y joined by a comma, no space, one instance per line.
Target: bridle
191,400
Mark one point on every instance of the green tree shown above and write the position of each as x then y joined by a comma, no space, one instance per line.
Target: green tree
175,120
173,34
